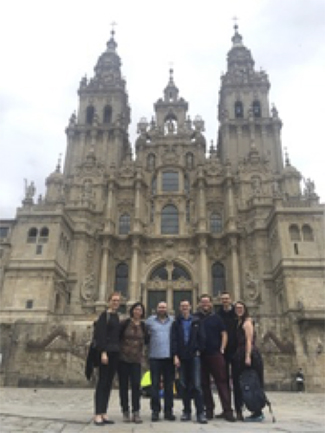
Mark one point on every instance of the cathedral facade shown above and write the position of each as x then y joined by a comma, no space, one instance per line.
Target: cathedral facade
167,218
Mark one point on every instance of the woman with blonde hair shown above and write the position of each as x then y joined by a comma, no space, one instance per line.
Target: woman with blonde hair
107,332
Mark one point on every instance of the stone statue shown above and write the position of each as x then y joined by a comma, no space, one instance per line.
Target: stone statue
309,187
29,190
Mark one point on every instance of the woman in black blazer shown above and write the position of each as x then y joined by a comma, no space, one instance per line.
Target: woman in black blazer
107,333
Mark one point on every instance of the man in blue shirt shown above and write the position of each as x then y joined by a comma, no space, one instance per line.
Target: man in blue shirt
212,359
161,362
187,344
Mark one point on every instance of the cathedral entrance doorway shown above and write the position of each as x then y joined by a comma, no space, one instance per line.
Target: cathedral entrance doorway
169,282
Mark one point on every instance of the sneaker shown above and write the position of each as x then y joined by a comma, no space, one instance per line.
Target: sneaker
155,416
169,416
229,416
254,418
186,417
136,418
202,419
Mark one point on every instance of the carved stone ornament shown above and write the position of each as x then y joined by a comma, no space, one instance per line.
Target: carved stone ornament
170,156
87,290
252,292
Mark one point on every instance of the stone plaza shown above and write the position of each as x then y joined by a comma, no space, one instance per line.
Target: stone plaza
45,410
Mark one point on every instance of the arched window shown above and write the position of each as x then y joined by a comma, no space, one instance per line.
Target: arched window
239,109
154,185
307,233
189,161
160,272
169,220
151,162
294,232
170,181
124,224
90,112
256,109
107,116
218,279
122,279
180,272
44,235
215,223
186,184
32,235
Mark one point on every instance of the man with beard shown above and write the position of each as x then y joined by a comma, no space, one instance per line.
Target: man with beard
161,362
228,315
212,359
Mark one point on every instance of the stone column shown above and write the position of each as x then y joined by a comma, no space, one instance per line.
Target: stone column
235,268
202,201
102,295
134,288
109,223
204,284
137,204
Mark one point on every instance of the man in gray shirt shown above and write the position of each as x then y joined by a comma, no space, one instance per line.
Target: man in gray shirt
161,363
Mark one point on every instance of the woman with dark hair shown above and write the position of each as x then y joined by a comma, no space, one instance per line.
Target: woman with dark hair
247,355
133,337
107,331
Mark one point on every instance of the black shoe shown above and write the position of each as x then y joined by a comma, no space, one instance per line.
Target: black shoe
229,416
209,414
155,416
186,417
108,421
169,416
220,415
201,419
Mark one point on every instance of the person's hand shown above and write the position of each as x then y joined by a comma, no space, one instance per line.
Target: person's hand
104,358
177,362
248,360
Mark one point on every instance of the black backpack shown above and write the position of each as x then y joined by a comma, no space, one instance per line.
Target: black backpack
253,394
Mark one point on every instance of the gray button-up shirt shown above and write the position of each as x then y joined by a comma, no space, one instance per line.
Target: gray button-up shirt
159,346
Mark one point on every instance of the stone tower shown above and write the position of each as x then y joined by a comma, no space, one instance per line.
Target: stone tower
177,219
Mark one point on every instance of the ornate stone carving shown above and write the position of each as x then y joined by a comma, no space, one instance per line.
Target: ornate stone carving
87,290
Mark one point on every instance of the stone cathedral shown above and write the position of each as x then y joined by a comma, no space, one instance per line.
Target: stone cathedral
165,218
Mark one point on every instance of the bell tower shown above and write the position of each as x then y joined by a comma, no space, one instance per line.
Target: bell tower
246,120
101,125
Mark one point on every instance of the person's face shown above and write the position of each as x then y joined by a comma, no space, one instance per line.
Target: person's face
137,312
239,309
185,308
226,300
206,304
114,303
162,309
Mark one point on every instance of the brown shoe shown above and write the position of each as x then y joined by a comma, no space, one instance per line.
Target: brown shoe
136,418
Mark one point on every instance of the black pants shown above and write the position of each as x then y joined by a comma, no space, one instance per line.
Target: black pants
190,379
162,368
129,372
230,367
105,381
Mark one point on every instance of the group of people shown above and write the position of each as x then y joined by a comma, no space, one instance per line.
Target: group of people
197,346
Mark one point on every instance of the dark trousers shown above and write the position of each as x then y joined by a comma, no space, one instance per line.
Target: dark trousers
239,367
230,369
129,372
215,365
162,368
190,380
104,383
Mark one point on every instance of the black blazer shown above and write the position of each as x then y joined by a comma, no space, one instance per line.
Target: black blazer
196,343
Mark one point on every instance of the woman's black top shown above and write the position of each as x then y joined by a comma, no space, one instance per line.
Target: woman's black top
107,333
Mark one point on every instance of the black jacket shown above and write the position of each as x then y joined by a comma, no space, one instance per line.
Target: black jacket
230,321
107,332
196,343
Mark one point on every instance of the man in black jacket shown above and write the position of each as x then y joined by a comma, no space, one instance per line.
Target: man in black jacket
188,341
228,315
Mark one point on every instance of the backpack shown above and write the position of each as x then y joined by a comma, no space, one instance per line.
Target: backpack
93,356
253,394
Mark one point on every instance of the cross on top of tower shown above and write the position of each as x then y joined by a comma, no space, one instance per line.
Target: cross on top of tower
113,24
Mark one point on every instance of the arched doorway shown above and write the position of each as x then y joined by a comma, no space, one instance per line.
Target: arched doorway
170,282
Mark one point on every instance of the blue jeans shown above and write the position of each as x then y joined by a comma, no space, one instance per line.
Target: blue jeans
162,368
190,379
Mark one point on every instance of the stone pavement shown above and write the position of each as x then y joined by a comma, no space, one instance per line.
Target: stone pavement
70,411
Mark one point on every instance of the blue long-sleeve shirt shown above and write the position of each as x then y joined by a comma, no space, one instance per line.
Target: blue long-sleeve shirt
159,346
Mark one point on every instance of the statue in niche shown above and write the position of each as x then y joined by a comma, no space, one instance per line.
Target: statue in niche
252,291
29,190
309,187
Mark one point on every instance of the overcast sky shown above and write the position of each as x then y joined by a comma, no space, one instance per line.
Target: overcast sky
47,46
